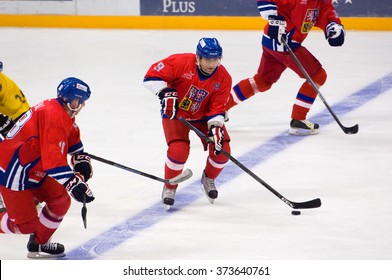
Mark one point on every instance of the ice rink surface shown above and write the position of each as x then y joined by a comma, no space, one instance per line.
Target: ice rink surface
351,174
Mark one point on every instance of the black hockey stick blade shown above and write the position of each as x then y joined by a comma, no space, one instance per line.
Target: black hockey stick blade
315,203
351,130
348,130
84,212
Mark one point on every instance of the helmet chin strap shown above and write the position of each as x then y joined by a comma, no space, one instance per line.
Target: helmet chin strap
74,111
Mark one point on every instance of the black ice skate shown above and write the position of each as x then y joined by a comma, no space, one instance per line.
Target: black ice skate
303,127
45,251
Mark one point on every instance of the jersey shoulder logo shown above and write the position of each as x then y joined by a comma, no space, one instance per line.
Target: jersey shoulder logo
159,66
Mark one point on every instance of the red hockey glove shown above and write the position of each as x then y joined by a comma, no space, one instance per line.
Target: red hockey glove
82,164
277,28
335,33
77,188
216,135
169,102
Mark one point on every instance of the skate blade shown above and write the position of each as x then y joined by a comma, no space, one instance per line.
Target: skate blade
167,207
41,255
211,200
303,132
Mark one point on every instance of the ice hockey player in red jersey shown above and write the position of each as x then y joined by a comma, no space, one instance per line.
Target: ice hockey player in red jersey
34,165
195,87
291,20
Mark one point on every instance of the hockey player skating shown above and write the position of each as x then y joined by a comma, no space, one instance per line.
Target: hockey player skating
13,104
291,20
34,164
195,87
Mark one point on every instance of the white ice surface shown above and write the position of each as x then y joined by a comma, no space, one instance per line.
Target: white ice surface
121,122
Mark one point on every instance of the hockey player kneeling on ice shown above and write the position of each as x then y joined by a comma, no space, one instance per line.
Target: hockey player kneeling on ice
195,87
34,165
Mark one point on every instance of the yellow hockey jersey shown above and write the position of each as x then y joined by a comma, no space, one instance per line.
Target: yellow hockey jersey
13,103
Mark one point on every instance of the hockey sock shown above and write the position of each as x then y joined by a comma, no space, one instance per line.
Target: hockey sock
246,89
216,163
48,224
306,96
171,173
213,168
177,155
4,223
7,225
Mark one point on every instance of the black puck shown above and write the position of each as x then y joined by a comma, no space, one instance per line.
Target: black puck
295,213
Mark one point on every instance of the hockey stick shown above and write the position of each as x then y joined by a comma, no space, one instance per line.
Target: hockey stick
296,205
347,130
84,212
185,175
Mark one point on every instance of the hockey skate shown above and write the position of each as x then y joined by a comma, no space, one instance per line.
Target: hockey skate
208,187
49,250
168,197
303,127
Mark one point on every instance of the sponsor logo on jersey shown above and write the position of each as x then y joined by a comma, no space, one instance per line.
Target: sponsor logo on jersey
189,75
193,99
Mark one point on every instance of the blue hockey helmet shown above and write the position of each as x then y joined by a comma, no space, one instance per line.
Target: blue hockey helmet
209,48
72,88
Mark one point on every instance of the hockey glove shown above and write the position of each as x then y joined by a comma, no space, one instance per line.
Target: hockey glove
216,135
277,28
77,188
5,125
335,34
82,164
169,102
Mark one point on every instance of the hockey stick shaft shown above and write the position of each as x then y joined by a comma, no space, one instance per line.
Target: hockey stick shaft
347,130
176,180
296,205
